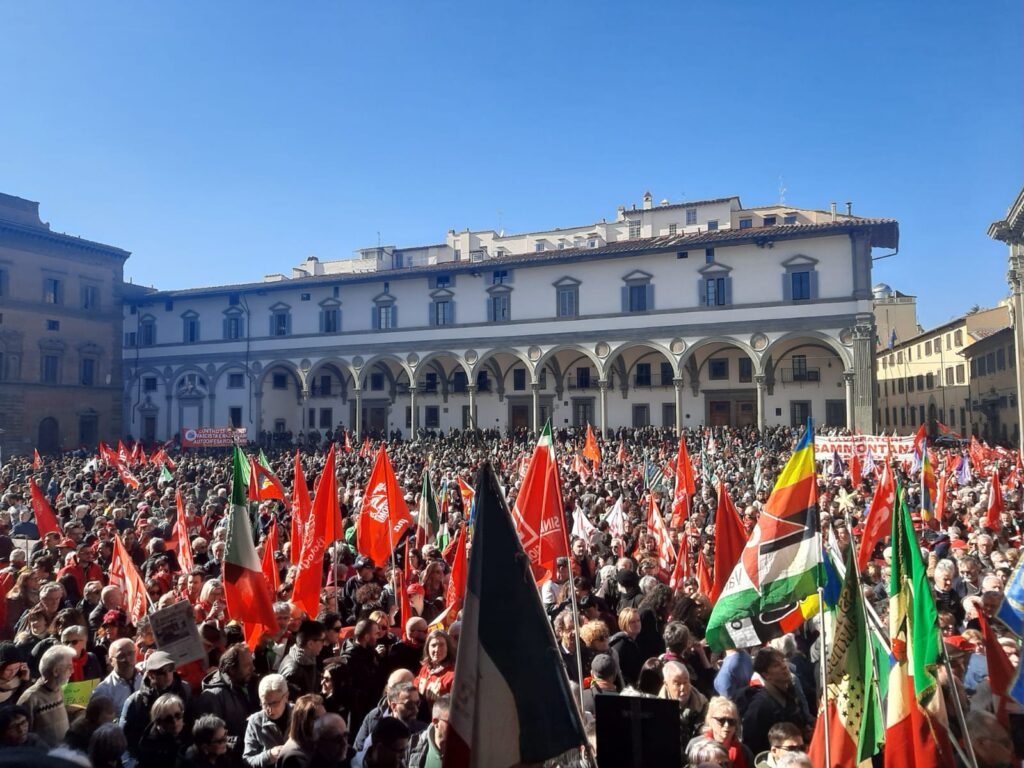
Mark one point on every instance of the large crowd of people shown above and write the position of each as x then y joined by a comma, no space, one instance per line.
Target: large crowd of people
362,683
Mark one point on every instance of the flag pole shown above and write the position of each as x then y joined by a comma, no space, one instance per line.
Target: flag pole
824,676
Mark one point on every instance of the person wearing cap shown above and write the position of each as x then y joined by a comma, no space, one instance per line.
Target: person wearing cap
14,673
124,679
364,575
604,674
159,678
418,604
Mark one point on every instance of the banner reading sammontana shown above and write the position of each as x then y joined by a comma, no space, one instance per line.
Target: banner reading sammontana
826,447
213,437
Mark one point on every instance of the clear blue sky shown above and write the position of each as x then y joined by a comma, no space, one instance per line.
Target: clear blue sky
219,141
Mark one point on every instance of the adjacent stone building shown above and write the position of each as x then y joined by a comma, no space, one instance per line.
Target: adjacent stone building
61,383
993,388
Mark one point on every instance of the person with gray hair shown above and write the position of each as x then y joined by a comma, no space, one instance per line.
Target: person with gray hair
794,760
707,751
76,638
266,730
44,699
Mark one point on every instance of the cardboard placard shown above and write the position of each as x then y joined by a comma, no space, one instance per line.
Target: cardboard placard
77,694
175,631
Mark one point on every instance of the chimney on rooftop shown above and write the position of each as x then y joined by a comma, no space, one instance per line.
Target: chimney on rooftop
849,208
648,201
833,210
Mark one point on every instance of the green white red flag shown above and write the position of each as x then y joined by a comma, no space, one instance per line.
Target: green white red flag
246,591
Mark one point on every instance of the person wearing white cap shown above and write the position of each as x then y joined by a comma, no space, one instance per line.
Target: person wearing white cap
160,678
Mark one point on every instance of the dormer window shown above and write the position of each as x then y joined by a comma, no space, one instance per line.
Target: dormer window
746,223
768,221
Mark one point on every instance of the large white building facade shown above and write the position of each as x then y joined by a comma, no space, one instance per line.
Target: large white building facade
676,315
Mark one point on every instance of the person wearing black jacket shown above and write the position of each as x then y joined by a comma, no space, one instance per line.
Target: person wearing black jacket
229,693
365,668
160,679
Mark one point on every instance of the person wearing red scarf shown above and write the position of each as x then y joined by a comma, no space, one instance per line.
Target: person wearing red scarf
722,724
84,666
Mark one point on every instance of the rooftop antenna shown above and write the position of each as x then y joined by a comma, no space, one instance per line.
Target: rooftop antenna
782,191
501,231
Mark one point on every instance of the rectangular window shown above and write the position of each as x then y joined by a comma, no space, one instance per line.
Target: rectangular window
963,417
519,379
672,230
280,324
899,384
990,362
443,281
52,291
910,383
799,367
1000,359
746,223
930,381
799,412
483,382
88,377
643,374
235,416
432,417
666,379
51,369
691,216
960,374
903,416
53,325
90,297
568,301
583,378
233,299
634,230
326,418
385,317
169,305
376,382
191,330
746,369
718,369
958,338
1011,355
768,221
443,314
459,381
801,286
149,384
305,296
280,380
332,319
538,247
938,344
789,219
949,377
709,255
500,308
927,347
500,277
236,380
232,328
638,298
325,386
712,225
714,291
130,339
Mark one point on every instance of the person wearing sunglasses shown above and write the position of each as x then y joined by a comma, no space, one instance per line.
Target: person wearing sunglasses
722,724
209,744
160,744
159,678
784,738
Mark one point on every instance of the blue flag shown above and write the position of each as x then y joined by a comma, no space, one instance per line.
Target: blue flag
1011,612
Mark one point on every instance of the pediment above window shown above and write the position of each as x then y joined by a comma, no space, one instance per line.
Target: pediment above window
566,282
715,267
638,276
330,303
441,294
280,307
799,261
384,298
496,290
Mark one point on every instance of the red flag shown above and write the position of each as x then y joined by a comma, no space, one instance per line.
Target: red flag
37,462
1000,669
122,452
267,564
940,504
919,437
125,575
855,471
320,527
158,458
264,483
539,512
46,521
878,520
977,454
591,450
995,504
184,546
365,449
348,443
300,510
730,539
704,582
457,583
682,571
384,516
580,467
621,455
142,455
684,486
133,455
656,526
126,476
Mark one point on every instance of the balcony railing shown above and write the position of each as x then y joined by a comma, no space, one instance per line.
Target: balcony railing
575,383
801,375
654,380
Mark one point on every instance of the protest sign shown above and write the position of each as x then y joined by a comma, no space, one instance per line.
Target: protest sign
174,628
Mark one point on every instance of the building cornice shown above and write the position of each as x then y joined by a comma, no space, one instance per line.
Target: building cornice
15,231
1011,229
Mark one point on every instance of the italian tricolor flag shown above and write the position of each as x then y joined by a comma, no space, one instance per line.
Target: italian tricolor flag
916,723
245,588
